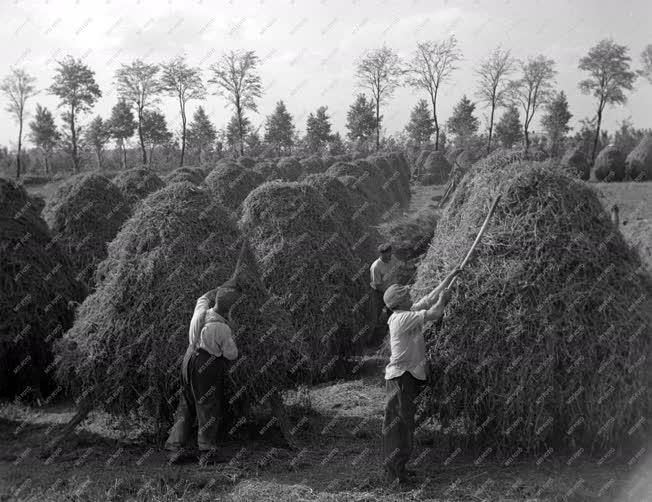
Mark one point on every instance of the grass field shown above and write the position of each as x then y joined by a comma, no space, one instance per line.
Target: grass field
339,444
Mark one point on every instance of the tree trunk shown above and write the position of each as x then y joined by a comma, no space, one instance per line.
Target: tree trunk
378,123
597,134
491,126
20,144
140,136
434,116
183,132
73,138
123,153
98,153
47,163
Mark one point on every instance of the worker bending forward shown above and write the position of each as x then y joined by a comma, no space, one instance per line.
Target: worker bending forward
203,372
406,371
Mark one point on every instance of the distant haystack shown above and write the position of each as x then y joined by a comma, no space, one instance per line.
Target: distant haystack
435,169
638,165
193,175
136,184
576,162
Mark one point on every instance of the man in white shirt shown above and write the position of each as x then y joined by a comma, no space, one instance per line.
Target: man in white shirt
406,370
384,273
203,372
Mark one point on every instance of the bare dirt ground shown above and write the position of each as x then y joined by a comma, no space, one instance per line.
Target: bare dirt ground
337,426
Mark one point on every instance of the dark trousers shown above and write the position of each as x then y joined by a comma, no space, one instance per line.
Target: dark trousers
398,426
202,400
377,315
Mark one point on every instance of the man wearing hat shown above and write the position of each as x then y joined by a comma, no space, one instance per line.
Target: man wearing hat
406,371
203,372
384,273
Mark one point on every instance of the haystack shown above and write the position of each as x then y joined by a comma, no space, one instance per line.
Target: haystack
84,216
327,161
247,162
191,175
609,165
129,337
435,169
395,183
638,165
38,202
36,279
368,179
344,207
421,160
136,184
230,183
288,169
312,165
266,170
544,341
575,161
305,260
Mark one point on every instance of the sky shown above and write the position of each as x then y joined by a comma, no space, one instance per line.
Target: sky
308,49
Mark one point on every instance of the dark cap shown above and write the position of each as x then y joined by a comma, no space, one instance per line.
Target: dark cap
385,247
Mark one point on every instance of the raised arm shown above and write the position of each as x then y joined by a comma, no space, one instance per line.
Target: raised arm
431,298
197,321
435,312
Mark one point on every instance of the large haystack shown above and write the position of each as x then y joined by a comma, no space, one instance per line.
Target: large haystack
368,179
36,279
545,340
394,183
288,169
638,165
576,162
421,160
344,207
305,260
435,169
246,162
136,184
129,337
230,183
609,165
84,216
181,174
312,165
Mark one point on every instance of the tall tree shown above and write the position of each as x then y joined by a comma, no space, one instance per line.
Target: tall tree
532,90
74,84
430,66
279,129
18,87
646,62
379,71
421,125
201,133
462,123
318,129
254,144
44,133
361,119
183,82
97,135
555,122
607,64
336,145
236,132
509,130
122,126
155,130
237,79
138,84
492,85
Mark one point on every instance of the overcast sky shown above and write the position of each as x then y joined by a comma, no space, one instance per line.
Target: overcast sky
308,48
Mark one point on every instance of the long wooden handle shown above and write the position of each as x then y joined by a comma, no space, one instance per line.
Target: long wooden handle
478,237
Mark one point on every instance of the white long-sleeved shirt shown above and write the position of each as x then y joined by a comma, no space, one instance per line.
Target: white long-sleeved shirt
209,331
408,346
383,275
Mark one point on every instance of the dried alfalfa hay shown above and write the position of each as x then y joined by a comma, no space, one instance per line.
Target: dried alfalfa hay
247,162
125,349
136,184
230,184
576,162
84,216
182,174
37,284
609,165
368,179
305,260
638,164
288,169
545,340
435,169
395,182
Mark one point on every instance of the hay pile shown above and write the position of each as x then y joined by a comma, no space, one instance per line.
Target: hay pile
85,215
638,164
38,203
395,182
246,162
305,260
36,280
367,180
230,183
545,339
312,165
193,175
421,160
136,184
327,161
288,169
129,337
609,165
576,163
435,169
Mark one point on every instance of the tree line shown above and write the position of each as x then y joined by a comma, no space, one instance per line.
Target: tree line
521,87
